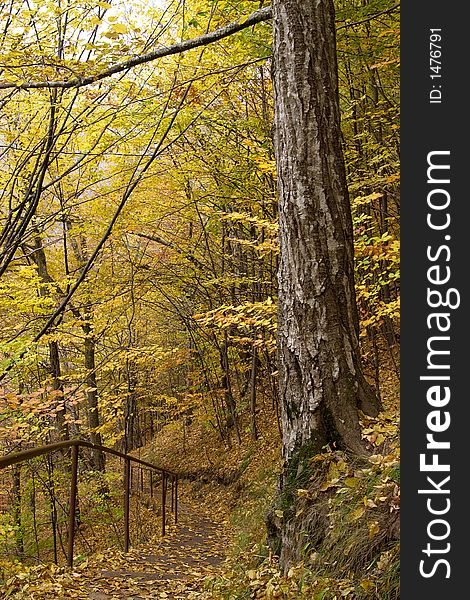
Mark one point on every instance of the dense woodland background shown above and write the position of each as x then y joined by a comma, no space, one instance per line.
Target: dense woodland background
139,254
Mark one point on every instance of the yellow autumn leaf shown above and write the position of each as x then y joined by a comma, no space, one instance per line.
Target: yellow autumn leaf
357,514
352,482
367,585
373,529
251,574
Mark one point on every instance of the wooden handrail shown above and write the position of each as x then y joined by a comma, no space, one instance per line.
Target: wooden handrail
24,455
17,457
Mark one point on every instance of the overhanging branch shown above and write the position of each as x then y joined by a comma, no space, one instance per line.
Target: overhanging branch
263,14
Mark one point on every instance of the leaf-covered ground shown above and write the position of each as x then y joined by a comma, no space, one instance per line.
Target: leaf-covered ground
172,567
224,502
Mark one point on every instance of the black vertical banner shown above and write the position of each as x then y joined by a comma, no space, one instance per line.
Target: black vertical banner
435,403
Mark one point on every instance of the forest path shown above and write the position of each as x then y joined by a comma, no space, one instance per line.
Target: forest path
172,567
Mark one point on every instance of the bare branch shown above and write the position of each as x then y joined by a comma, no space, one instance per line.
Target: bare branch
159,240
370,17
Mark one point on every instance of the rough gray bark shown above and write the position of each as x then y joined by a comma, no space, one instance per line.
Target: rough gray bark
322,385
321,381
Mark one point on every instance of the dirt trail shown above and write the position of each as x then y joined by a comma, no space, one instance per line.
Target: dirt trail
172,567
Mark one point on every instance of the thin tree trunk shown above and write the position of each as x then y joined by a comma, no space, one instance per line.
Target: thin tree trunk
58,386
79,247
254,373
92,394
39,258
17,518
227,387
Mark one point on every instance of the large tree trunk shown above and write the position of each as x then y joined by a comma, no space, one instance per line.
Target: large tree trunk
321,381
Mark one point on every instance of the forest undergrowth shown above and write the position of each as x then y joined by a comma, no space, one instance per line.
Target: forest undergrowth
350,507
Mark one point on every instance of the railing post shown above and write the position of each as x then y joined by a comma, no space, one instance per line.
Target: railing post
127,488
176,499
72,505
163,501
129,476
